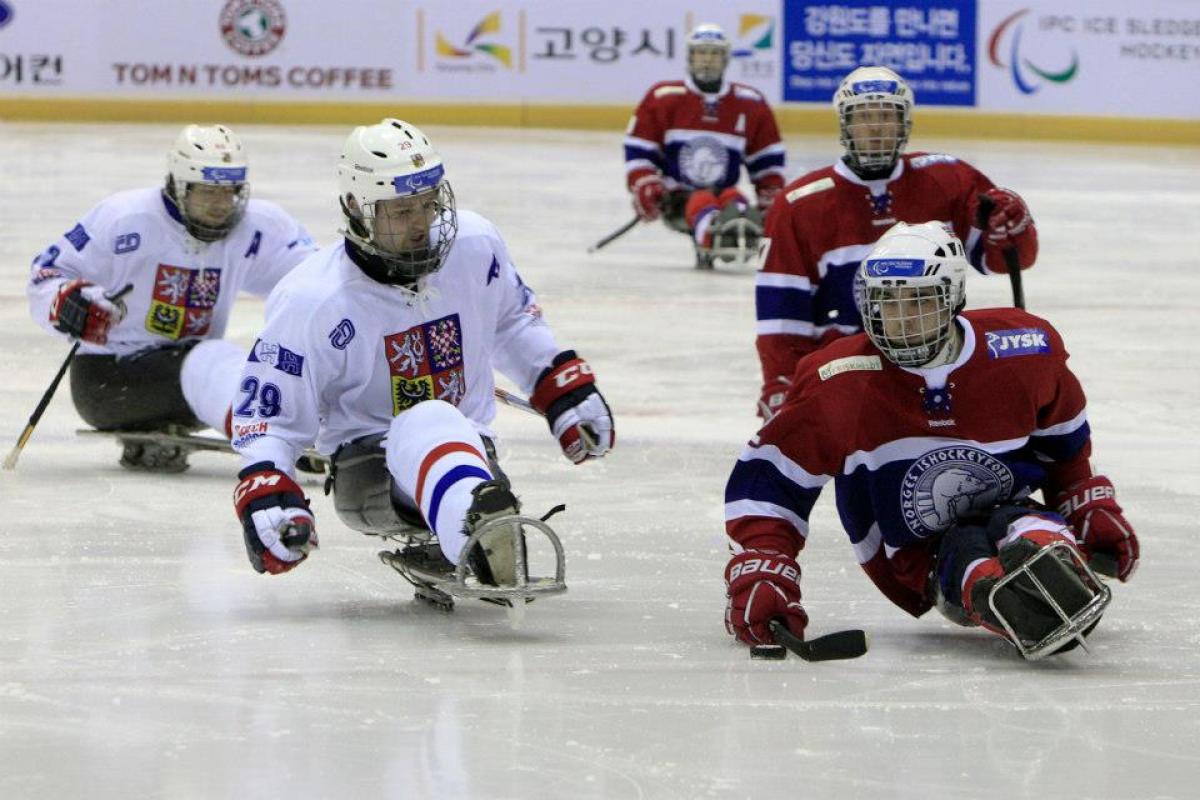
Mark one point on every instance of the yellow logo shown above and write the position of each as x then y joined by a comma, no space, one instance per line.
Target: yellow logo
489,24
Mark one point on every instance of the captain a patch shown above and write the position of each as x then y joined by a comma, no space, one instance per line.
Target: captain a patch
1017,342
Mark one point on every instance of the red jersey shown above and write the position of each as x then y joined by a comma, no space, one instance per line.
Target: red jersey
912,451
821,227
697,140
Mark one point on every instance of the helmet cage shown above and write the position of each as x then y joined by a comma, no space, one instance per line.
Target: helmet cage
708,38
404,265
209,156
865,98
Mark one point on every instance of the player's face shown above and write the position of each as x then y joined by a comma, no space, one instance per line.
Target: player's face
402,223
875,128
912,316
707,63
211,204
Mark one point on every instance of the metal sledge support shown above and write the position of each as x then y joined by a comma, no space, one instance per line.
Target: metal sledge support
527,588
1073,625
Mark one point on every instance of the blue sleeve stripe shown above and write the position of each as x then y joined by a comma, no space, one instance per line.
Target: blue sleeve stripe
633,153
761,481
1061,447
765,161
774,302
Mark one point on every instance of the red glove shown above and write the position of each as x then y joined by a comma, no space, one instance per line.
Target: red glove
80,309
1009,225
762,585
1090,506
773,394
648,192
276,521
579,417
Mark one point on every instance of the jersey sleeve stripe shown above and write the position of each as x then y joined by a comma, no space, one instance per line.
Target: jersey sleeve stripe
768,327
783,280
741,509
1063,428
642,144
771,302
770,454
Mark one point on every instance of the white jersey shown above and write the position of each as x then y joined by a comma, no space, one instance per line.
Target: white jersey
342,354
182,288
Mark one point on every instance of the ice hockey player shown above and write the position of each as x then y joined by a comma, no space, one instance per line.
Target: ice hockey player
935,425
381,349
154,359
822,224
685,147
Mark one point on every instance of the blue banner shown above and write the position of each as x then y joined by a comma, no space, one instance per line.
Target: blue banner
930,43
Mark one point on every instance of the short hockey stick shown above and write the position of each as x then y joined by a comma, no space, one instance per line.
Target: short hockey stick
1010,253
837,646
10,462
516,401
618,233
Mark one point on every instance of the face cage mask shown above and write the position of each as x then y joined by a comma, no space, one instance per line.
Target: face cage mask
203,231
878,154
921,336
708,80
408,265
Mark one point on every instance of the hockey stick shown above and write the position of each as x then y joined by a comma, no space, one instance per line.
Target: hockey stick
1010,253
516,401
837,646
10,462
619,232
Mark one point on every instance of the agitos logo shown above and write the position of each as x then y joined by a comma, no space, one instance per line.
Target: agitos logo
489,24
1025,73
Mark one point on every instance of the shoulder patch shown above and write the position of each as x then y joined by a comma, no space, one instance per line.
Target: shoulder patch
663,91
78,237
809,188
850,364
932,158
1017,342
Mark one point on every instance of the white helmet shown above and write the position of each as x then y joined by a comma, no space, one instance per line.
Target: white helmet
712,37
385,161
909,289
873,89
211,155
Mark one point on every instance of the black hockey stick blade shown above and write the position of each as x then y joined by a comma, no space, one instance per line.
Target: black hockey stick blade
837,646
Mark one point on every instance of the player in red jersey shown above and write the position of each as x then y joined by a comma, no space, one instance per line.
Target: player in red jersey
685,148
821,225
935,427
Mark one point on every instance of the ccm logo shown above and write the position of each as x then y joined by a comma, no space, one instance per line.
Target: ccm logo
250,484
572,373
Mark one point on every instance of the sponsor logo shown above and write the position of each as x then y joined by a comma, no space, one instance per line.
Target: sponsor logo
183,301
253,429
764,566
942,423
703,161
950,483
255,483
809,188
474,44
252,27
426,363
418,181
127,243
572,373
224,174
44,274
1016,342
78,237
1027,76
932,158
895,267
759,31
874,87
850,364
341,336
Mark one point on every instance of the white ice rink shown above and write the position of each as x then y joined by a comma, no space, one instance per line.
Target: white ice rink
141,657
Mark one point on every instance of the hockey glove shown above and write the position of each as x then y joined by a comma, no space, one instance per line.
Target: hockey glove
80,309
566,394
1104,535
1008,226
766,195
276,521
648,192
773,395
762,585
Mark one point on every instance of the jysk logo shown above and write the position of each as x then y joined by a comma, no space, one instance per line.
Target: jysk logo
1017,342
489,24
6,13
253,27
1027,76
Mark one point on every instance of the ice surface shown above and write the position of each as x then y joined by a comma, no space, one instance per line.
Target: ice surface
140,656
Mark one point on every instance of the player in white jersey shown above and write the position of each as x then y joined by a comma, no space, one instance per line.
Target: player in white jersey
155,357
381,350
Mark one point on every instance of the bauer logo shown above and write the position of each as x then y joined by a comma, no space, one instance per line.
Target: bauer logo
950,484
1017,342
253,27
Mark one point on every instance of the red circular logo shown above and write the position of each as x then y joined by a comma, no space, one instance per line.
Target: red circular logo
253,27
